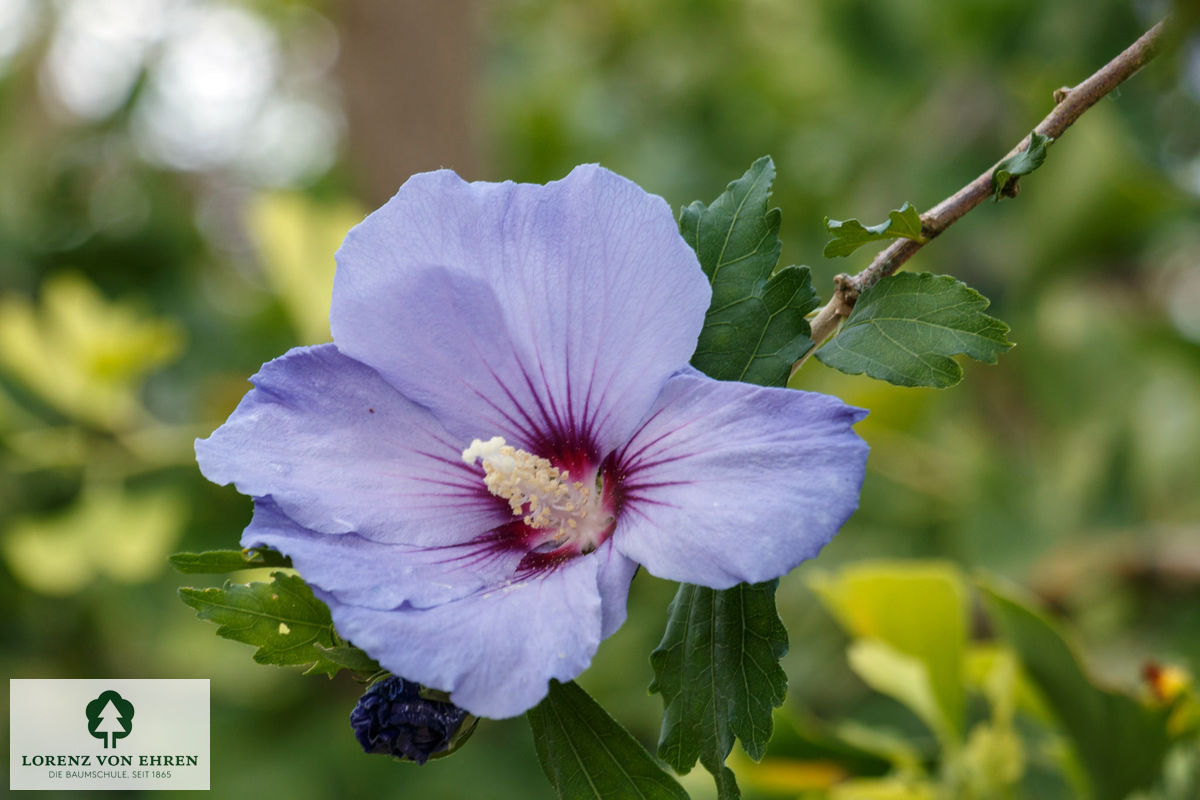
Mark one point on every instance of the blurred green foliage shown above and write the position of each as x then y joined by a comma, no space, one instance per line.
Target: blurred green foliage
907,620
136,297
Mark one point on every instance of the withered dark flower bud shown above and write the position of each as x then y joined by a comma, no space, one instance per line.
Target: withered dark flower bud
393,718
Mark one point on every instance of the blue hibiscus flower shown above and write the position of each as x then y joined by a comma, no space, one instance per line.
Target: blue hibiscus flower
506,426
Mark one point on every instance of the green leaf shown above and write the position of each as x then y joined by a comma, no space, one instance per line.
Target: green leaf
459,737
994,758
1120,741
220,561
755,328
350,657
884,743
1004,176
107,531
801,738
718,671
918,609
288,625
905,678
587,755
892,788
850,234
294,235
85,355
905,328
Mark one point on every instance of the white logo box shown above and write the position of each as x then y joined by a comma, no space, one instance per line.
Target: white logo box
108,734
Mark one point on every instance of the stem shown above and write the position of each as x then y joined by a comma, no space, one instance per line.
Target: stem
1071,103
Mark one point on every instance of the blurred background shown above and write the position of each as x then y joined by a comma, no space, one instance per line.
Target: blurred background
175,176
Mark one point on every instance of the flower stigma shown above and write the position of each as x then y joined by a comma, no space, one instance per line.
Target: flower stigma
570,512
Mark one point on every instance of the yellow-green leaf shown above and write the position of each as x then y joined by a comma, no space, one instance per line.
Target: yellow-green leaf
918,609
297,237
83,354
122,535
902,677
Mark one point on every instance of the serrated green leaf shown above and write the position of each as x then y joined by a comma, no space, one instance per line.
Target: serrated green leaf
905,328
1120,741
1005,175
850,234
288,625
780,310
350,657
220,561
755,328
717,669
587,755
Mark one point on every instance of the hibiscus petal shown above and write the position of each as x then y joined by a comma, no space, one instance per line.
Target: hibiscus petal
378,575
339,450
726,482
495,651
587,301
615,574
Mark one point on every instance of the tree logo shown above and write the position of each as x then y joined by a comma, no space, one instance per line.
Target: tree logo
110,717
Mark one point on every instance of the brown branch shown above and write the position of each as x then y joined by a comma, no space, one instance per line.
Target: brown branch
1071,103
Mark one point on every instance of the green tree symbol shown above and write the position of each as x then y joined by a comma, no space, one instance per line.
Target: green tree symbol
110,717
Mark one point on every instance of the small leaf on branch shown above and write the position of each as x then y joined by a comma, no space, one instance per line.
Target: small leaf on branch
717,669
850,234
289,626
905,328
219,561
755,327
588,755
1004,177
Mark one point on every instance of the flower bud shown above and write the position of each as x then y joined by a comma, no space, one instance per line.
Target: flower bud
393,717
